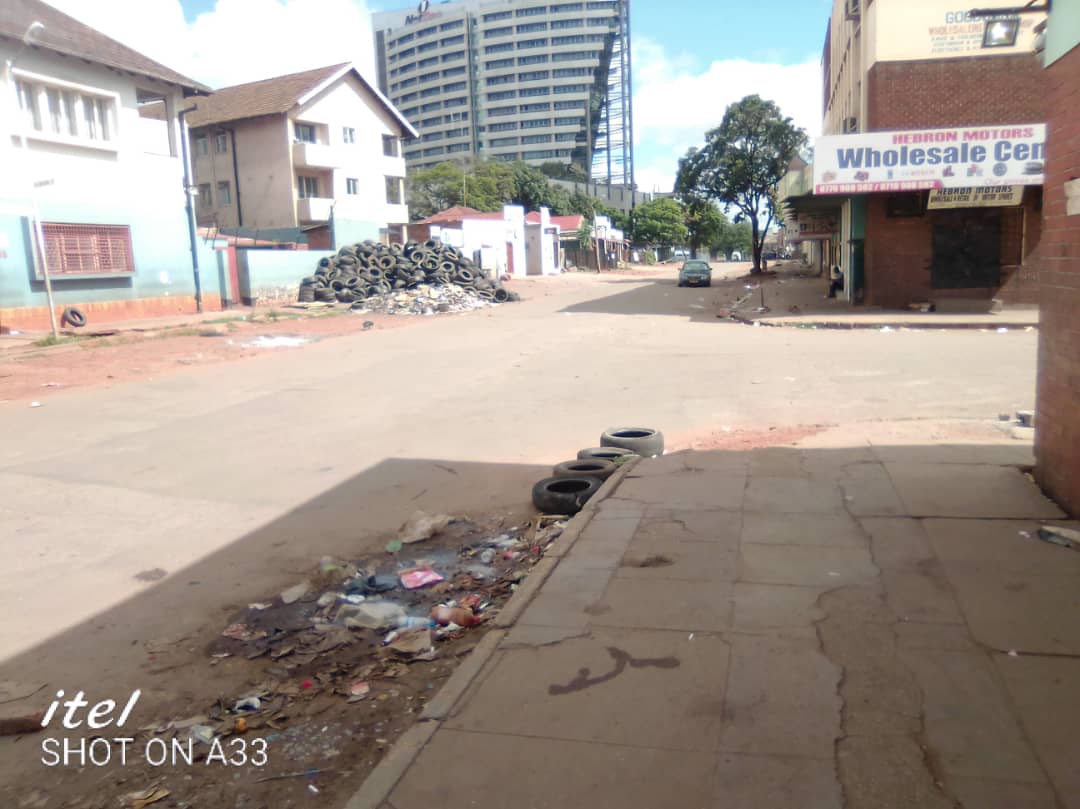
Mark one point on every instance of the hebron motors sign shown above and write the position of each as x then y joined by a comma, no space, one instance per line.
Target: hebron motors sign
921,159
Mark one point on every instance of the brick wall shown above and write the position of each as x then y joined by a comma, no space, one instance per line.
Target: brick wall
899,252
971,91
1057,436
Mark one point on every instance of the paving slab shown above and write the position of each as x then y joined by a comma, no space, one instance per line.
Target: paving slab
888,772
805,566
655,557
923,595
868,491
1003,453
968,721
686,490
1043,689
460,770
984,793
897,543
1000,546
793,495
598,689
776,782
602,543
566,597
802,529
969,491
934,637
692,525
781,699
775,607
689,606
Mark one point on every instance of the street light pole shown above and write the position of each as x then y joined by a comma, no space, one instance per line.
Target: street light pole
39,237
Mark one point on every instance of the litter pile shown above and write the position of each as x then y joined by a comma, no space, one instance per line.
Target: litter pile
411,279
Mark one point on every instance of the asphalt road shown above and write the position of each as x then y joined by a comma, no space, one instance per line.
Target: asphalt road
150,509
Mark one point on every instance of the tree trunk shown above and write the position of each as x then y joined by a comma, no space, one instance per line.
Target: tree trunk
755,245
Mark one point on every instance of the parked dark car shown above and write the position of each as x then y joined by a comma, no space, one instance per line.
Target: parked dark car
695,273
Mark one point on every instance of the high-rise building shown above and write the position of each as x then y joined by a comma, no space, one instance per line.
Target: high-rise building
513,80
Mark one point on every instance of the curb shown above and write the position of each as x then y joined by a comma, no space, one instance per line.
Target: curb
877,326
377,787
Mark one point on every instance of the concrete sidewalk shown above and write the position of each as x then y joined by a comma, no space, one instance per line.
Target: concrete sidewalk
870,626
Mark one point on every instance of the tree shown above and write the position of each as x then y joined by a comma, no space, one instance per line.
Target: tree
742,162
704,222
732,237
483,185
660,221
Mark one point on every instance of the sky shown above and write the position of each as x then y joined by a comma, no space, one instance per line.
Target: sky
691,58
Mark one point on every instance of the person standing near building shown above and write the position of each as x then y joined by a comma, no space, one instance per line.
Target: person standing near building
836,280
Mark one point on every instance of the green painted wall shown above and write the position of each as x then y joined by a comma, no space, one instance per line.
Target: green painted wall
1062,31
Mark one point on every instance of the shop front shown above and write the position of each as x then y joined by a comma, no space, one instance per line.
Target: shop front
943,216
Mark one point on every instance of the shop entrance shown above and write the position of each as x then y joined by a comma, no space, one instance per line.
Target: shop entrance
966,249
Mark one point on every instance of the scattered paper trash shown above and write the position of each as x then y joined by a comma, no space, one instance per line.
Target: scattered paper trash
359,689
296,592
35,404
1002,330
260,605
314,790
371,615
243,632
444,615
266,341
412,644
1013,653
886,328
419,577
247,704
203,734
140,800
1025,534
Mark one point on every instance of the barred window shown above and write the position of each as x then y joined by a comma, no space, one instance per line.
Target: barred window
88,249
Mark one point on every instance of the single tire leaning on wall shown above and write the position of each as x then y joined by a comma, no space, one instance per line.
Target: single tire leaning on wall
593,467
73,317
564,495
604,453
643,441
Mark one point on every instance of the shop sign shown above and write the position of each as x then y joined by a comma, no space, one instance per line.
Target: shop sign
922,159
992,196
801,227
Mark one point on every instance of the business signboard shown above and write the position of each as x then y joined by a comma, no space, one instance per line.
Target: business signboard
991,196
803,227
932,29
920,159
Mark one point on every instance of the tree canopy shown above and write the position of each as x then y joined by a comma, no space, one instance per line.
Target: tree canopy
661,221
741,164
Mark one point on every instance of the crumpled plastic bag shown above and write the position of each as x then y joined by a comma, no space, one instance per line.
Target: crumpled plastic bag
423,526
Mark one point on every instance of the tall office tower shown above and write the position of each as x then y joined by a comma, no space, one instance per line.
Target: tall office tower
513,80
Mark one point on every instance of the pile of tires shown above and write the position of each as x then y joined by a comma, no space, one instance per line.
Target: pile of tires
369,269
572,483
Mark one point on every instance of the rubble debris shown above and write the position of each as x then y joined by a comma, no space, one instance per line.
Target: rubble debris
16,725
296,592
244,632
371,615
415,278
140,800
445,615
412,644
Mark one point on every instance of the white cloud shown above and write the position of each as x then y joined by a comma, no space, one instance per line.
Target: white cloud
674,104
239,40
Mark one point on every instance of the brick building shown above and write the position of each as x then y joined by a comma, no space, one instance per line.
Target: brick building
932,155
1057,437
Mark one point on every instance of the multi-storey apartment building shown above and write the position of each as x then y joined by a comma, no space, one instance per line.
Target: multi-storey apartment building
513,80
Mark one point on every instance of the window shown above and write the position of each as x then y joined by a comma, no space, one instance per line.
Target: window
96,118
569,105
567,7
600,5
305,133
565,136
597,21
391,146
502,96
426,32
496,111
429,92
575,39
457,147
221,142
430,76
206,201
427,46
502,47
430,136
493,80
64,112
536,123
202,145
543,106
532,27
570,121
88,249
452,26
575,56
454,87
352,186
571,88
307,187
567,24
495,64
453,71
531,12
224,193
434,151
431,60
509,157
499,32
461,132
566,72
534,59
28,103
404,38
444,42
431,105
455,117
498,15
535,91
433,121
455,102
536,139
394,191
348,134
525,44
539,155
451,57
534,75
503,127
494,142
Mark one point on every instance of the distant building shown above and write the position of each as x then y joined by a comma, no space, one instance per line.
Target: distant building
89,132
313,151
514,80
930,169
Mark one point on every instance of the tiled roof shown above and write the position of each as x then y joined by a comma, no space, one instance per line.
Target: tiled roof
460,213
66,35
565,223
263,97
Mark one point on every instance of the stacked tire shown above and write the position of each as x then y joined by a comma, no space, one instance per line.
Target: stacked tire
572,483
367,269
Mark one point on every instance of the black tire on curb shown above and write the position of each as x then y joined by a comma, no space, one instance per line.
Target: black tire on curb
73,317
604,453
564,495
643,441
593,467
